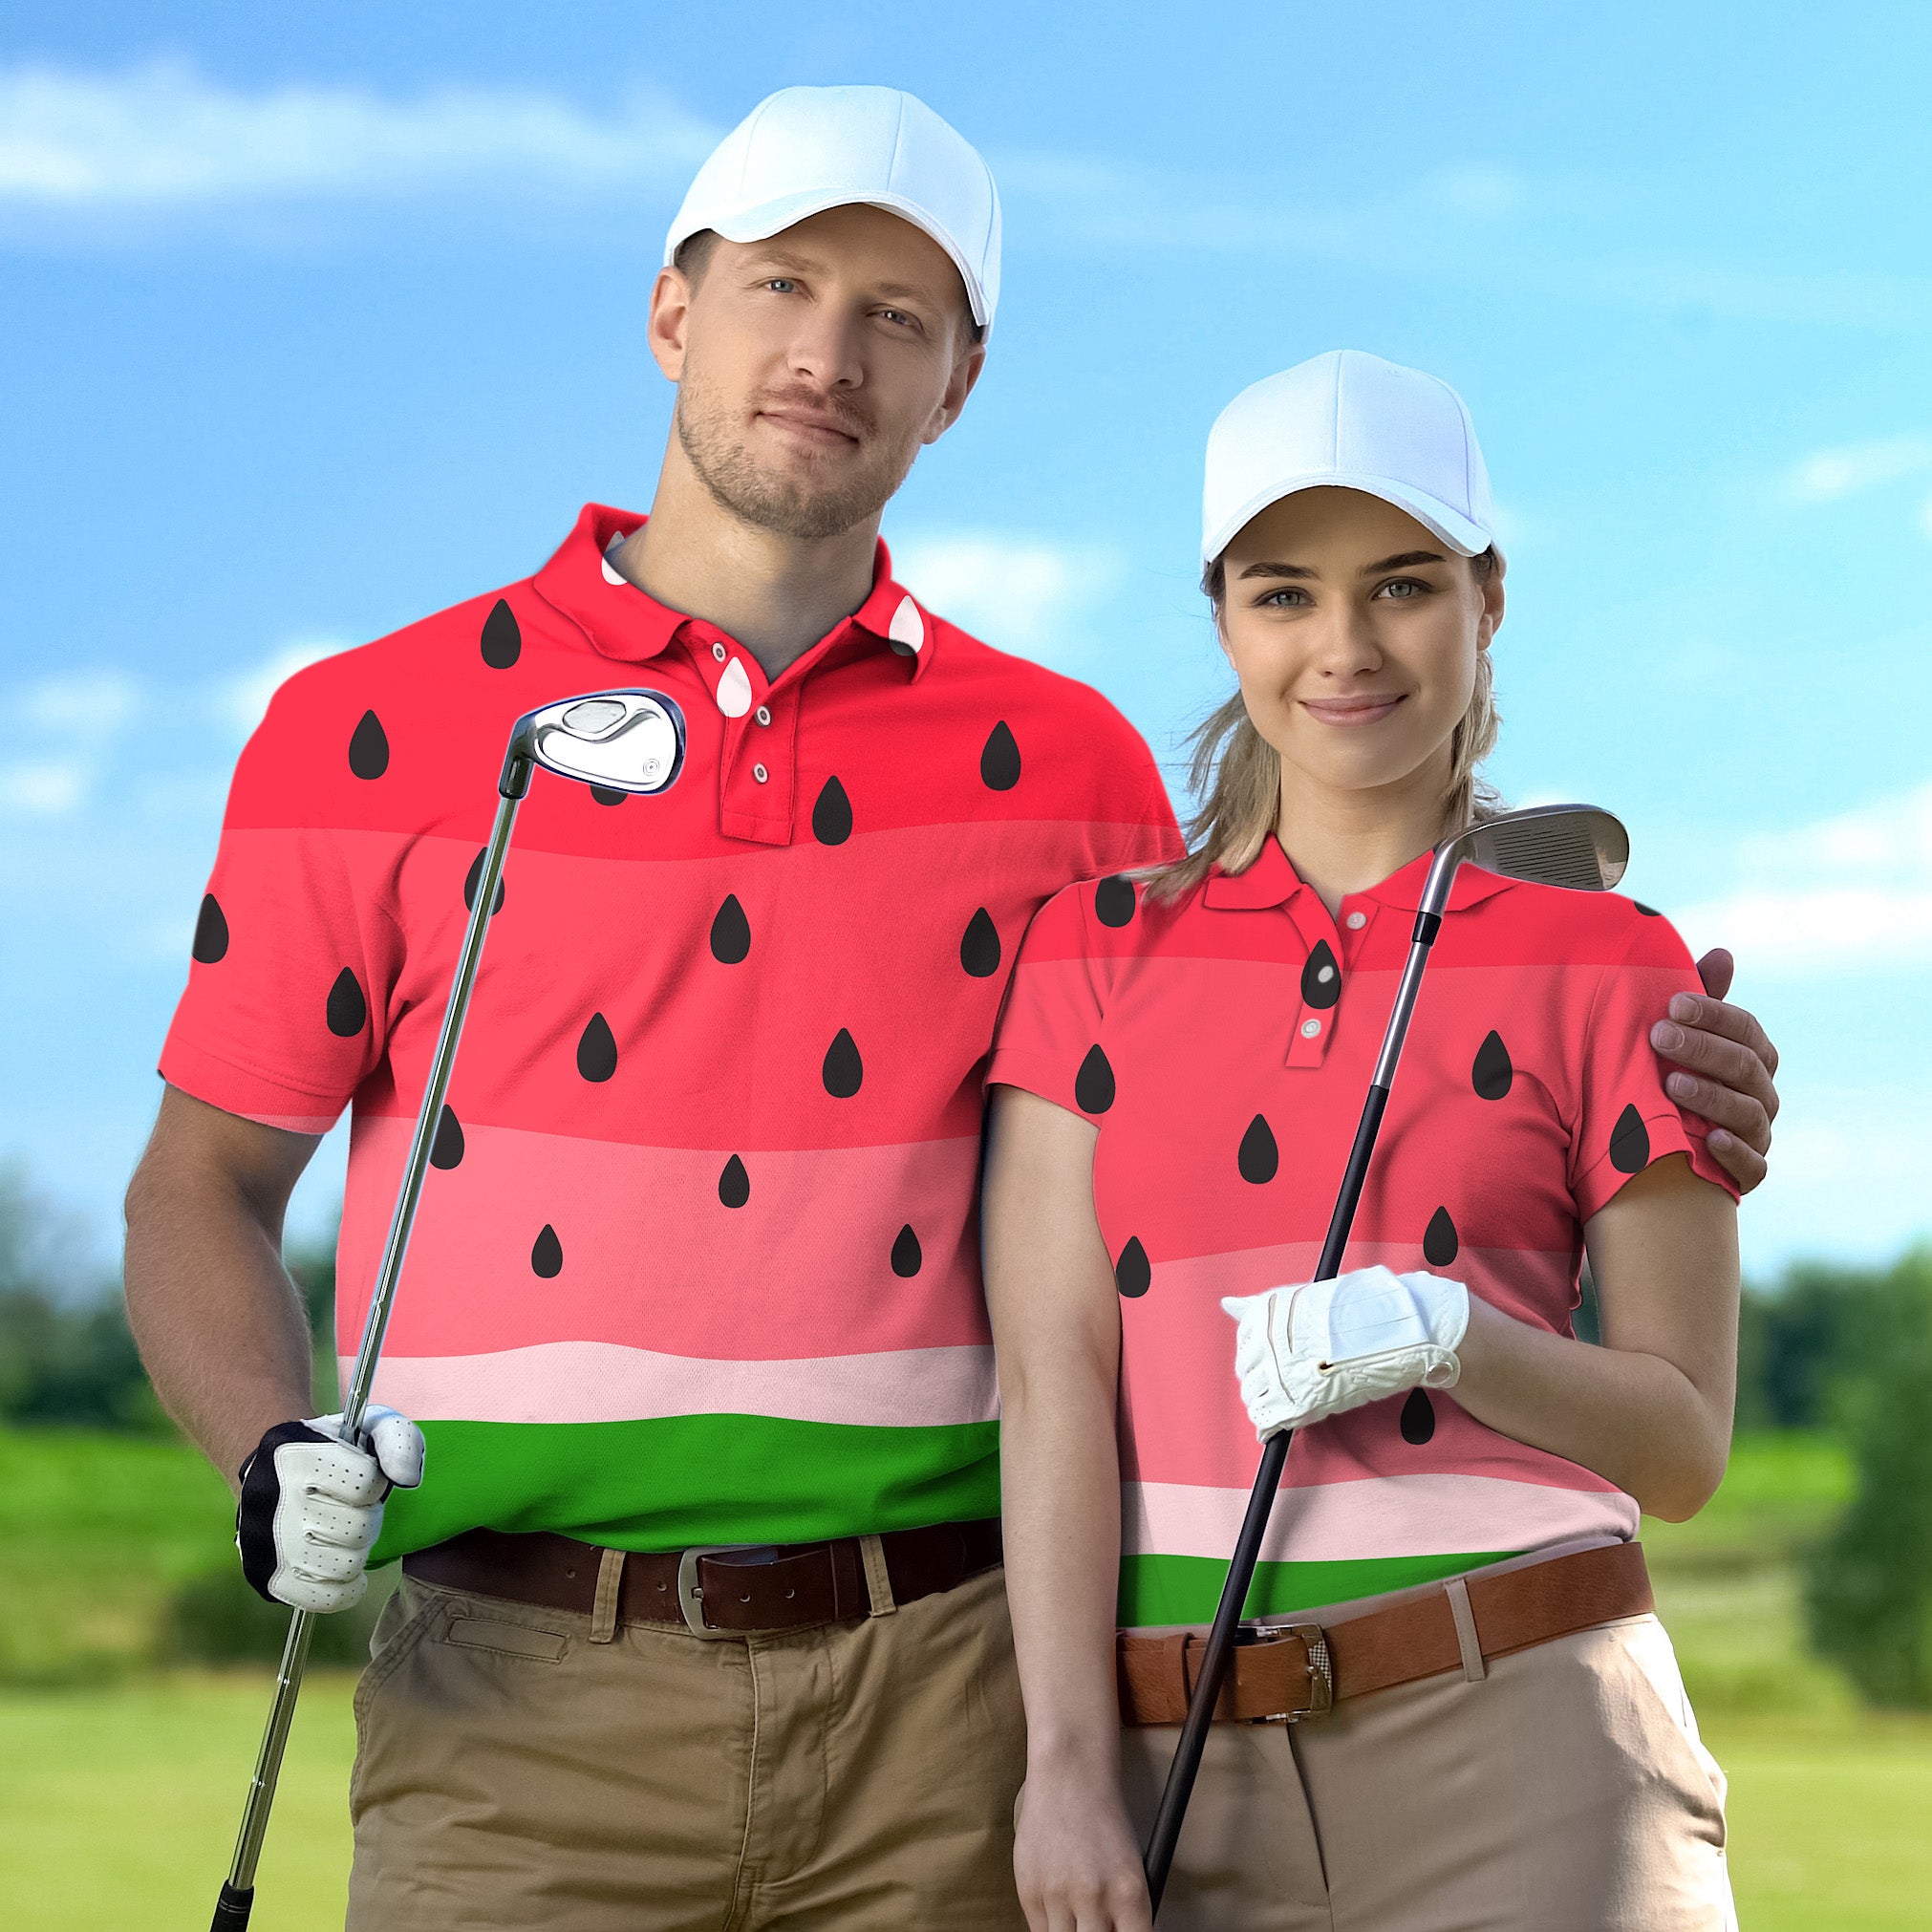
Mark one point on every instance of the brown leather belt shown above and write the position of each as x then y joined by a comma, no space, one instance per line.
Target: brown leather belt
1285,1671
713,1592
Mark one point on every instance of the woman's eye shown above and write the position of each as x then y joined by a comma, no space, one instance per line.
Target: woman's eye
1402,589
1288,596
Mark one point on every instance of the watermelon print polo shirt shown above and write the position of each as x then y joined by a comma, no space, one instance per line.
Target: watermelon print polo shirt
1223,1045
696,1260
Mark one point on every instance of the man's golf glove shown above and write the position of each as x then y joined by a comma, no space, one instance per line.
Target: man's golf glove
1307,1352
312,1505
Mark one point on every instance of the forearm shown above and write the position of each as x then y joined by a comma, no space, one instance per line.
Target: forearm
219,1324
1634,1418
1061,1506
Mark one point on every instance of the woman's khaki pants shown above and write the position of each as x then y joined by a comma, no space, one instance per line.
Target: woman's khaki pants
1565,1791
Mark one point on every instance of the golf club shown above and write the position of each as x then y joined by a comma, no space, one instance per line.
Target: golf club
624,740
1575,845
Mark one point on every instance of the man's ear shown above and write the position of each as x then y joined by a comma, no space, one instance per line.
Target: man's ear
670,321
959,387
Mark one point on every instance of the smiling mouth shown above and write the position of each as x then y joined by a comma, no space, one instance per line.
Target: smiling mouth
821,431
1351,710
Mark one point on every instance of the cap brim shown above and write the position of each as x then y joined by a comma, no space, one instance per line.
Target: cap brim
1464,537
772,218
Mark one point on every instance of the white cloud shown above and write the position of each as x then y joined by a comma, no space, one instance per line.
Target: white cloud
1829,474
241,700
86,707
45,787
1019,593
164,135
1847,893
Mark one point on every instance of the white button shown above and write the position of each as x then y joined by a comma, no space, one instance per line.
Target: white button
759,772
1310,1028
763,715
718,651
1356,922
1326,973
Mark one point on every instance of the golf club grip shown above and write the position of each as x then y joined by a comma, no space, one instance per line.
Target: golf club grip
1165,1834
233,1909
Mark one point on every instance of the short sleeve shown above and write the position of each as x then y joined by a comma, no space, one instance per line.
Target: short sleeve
286,1009
1626,1120
1048,1037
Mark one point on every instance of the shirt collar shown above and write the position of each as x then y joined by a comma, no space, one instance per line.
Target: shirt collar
1272,880
622,621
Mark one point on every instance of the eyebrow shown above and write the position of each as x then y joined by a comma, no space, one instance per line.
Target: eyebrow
803,265
1402,560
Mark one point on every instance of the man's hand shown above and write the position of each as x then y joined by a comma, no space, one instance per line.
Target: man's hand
1730,1063
312,1505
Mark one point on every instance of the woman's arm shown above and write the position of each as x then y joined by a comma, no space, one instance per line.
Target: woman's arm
1055,1324
1651,1409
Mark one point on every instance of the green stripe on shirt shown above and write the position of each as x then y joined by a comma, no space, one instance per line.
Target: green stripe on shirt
669,1482
1157,1590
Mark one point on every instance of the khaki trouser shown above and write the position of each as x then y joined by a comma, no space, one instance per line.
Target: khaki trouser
513,1772
1565,1791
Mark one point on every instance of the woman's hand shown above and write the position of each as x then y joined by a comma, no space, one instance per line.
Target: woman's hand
1074,1855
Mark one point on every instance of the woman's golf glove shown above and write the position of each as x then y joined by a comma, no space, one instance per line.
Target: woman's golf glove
312,1505
1311,1351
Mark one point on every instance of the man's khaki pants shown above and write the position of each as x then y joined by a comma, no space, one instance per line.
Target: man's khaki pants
1564,1791
514,1772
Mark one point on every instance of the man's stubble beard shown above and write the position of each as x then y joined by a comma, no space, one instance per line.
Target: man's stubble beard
724,465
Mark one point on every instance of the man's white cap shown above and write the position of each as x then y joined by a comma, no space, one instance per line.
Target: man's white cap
806,149
1349,421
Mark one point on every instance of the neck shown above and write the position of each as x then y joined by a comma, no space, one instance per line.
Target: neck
1345,841
777,596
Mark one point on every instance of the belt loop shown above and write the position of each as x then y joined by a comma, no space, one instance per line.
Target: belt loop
878,1579
1466,1641
603,1610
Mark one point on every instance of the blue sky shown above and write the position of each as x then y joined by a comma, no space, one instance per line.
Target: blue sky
315,322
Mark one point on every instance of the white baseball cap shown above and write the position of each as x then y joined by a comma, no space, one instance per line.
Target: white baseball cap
806,149
1349,421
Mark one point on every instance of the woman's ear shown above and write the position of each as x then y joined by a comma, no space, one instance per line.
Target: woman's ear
1490,620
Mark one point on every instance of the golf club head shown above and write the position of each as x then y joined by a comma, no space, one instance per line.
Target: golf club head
1578,846
625,741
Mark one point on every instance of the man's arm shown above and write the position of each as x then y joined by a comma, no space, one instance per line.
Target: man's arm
1729,1065
220,1325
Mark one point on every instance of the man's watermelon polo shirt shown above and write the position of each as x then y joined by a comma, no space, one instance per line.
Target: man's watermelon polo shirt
698,1260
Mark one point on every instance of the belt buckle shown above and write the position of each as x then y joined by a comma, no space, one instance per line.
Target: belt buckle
690,1597
1320,1672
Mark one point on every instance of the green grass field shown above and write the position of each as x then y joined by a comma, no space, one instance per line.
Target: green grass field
120,1783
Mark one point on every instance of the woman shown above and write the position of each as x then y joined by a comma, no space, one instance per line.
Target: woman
1178,1072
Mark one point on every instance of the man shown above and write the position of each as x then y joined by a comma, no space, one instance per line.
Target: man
699,1266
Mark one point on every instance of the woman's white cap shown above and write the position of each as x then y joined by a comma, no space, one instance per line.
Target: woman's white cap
806,149
1349,421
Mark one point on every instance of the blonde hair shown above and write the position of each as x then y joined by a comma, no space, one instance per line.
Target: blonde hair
1235,773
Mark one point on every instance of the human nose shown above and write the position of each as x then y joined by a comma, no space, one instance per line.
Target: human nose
1346,644
824,351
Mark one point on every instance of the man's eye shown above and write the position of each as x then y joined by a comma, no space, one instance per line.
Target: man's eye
780,285
899,316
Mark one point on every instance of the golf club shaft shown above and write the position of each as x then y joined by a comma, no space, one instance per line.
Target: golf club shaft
1219,1650
238,1893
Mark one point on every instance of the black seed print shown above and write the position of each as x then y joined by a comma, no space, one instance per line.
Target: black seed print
445,1151
733,1184
347,1011
979,946
730,933
473,878
1629,1143
907,1258
1491,1074
609,794
369,747
211,932
1114,901
999,761
547,1255
597,1049
1648,912
1418,1417
503,643
1259,1157
1440,1242
1132,1274
832,814
844,1071
1321,977
1093,1083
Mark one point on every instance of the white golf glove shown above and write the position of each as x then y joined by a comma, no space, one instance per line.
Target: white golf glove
1315,1350
312,1505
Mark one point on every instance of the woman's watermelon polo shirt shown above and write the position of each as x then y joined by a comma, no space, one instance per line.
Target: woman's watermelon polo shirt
698,1258
1223,1043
